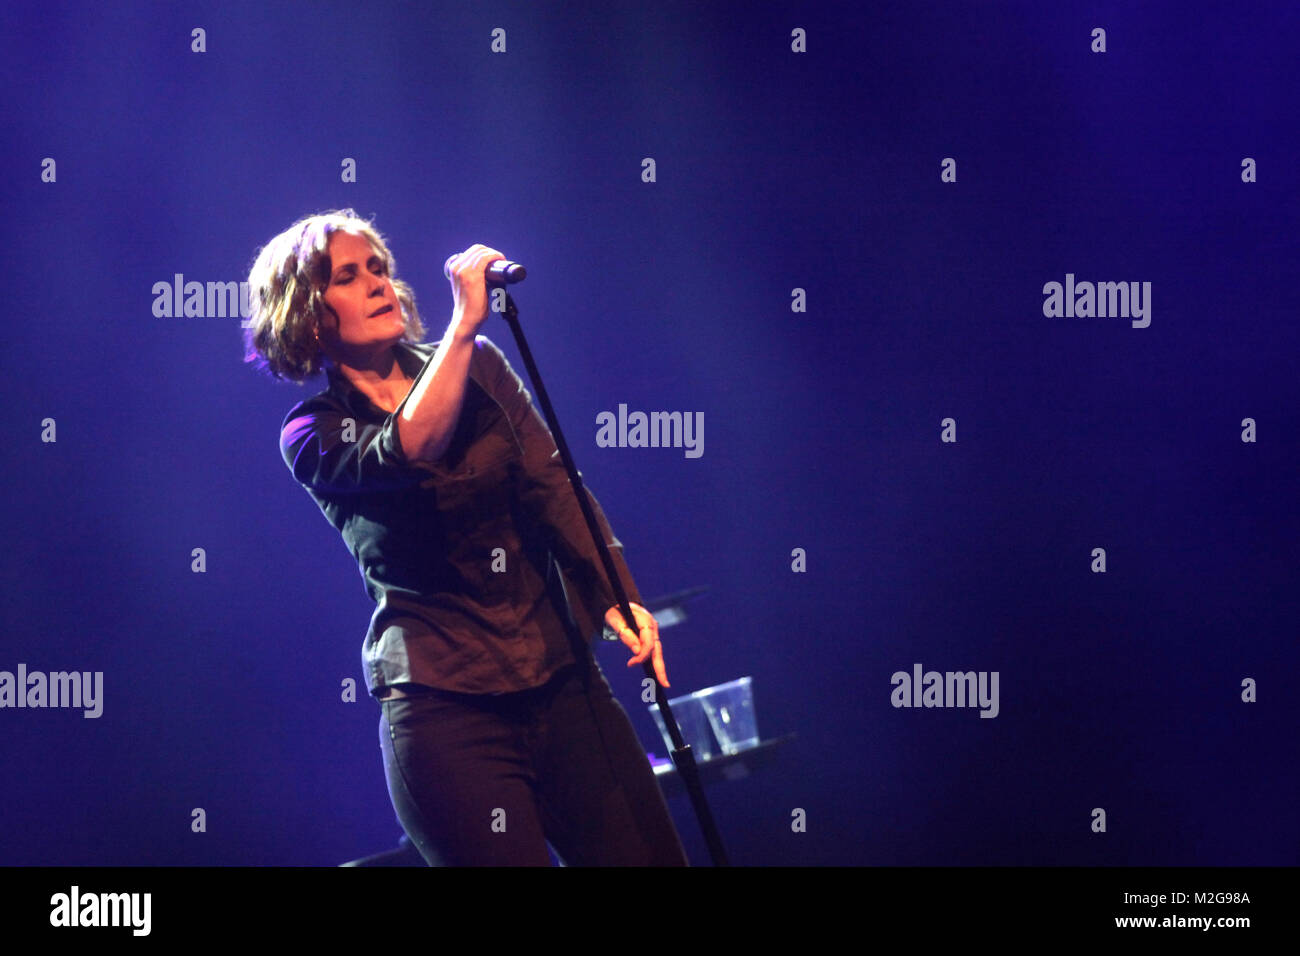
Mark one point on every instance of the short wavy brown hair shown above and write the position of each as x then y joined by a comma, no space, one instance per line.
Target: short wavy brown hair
286,288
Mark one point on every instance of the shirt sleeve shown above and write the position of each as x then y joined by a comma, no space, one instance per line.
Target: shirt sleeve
332,452
547,494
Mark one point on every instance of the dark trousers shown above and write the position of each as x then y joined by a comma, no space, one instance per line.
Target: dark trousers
487,780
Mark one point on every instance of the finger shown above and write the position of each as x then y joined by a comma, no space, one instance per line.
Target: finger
642,645
648,644
459,266
630,639
485,257
641,651
614,621
644,618
467,261
649,630
660,671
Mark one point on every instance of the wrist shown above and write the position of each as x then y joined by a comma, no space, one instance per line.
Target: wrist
462,330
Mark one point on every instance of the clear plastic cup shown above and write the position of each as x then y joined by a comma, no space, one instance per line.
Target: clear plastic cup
692,721
730,709
715,719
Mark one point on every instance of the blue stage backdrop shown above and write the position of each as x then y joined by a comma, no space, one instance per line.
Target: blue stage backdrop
984,314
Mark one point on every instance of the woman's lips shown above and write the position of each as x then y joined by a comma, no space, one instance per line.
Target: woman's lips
387,308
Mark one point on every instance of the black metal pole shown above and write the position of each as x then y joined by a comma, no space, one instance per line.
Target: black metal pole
683,757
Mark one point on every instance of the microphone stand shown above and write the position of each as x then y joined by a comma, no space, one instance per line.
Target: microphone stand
682,755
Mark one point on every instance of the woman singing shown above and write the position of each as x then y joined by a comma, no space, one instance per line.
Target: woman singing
498,730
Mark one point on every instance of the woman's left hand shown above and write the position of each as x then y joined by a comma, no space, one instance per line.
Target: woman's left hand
646,644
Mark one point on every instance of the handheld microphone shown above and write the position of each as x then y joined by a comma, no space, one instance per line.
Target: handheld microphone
500,272
504,271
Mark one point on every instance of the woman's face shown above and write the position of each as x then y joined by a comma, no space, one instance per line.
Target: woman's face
361,295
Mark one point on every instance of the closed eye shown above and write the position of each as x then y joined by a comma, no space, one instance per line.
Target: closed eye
344,279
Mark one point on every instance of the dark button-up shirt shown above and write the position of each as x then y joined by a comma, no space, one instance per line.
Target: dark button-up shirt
480,564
